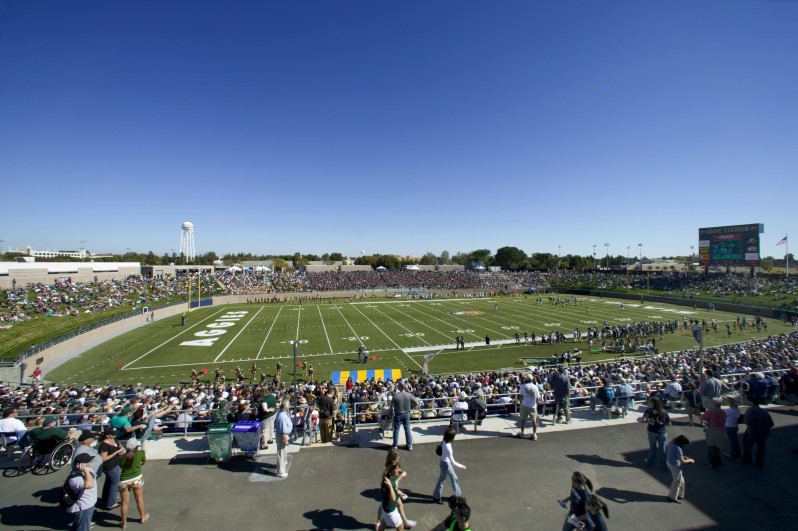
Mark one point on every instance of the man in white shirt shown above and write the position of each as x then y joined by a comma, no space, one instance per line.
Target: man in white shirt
11,425
530,396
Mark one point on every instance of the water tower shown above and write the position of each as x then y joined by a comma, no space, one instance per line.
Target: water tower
187,241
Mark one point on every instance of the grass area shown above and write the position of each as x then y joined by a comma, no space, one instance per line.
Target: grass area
398,333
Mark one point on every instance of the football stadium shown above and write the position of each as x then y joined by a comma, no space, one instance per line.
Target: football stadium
353,265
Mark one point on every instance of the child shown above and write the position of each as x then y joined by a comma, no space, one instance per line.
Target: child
340,422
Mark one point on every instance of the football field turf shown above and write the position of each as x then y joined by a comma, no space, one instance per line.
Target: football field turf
398,333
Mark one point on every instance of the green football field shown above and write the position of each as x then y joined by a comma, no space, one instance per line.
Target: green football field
398,333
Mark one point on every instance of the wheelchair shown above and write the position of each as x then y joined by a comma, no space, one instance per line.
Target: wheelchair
48,455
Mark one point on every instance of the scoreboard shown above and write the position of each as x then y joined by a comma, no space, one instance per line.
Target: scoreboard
734,245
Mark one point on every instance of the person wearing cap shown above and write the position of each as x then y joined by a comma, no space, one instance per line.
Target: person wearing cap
758,424
131,479
48,430
87,439
82,481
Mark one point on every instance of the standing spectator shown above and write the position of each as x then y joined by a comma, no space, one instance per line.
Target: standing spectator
758,423
710,388
447,465
562,396
732,428
327,414
676,460
390,514
37,375
131,479
657,420
87,440
715,419
267,412
111,453
530,396
401,405
283,428
82,482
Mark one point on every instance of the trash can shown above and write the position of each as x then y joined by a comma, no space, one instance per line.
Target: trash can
220,442
246,434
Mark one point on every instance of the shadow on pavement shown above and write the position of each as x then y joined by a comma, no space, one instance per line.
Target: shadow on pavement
325,519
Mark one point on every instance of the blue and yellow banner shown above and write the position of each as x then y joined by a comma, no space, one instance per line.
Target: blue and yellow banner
340,377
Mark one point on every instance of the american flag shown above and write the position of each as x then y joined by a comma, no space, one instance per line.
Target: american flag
782,241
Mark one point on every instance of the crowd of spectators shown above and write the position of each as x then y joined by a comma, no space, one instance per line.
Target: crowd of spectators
681,284
65,298
90,405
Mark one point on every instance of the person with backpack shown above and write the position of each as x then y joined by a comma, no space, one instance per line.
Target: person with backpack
79,493
604,396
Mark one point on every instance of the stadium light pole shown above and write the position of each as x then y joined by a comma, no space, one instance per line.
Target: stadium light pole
558,255
1,249
607,248
690,258
594,257
83,248
640,245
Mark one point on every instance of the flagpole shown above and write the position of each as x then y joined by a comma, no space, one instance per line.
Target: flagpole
787,243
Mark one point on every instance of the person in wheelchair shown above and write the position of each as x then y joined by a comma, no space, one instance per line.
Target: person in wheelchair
49,435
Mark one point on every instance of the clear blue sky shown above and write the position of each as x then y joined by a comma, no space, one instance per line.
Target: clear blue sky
396,127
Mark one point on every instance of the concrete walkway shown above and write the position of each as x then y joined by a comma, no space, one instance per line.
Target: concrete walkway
510,484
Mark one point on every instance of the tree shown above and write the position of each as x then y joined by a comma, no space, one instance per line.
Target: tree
444,258
543,261
510,258
279,263
336,257
429,259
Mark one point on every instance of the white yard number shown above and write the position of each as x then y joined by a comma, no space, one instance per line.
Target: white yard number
465,331
509,328
354,338
412,334
301,342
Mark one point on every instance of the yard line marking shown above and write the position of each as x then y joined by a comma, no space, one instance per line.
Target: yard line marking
298,319
238,334
389,338
171,338
350,325
325,328
403,326
269,332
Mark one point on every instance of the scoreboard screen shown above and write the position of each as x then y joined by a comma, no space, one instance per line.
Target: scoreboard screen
735,245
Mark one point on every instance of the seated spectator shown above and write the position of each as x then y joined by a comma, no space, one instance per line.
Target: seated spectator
603,397
672,392
14,429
